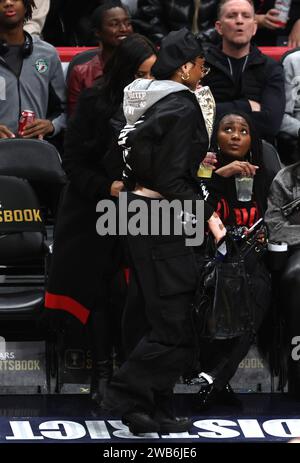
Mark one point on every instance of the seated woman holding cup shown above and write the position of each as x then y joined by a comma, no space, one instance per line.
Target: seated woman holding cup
237,187
283,221
238,167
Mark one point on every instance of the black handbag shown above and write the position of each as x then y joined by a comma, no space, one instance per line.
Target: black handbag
233,294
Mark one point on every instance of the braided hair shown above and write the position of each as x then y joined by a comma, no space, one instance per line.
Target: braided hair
120,71
29,6
255,156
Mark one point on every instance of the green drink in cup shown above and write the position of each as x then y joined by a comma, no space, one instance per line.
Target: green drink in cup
204,171
206,167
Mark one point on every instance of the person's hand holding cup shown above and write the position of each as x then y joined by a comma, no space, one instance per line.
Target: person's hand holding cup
207,165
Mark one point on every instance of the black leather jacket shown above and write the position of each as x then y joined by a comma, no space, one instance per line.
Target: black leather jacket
155,18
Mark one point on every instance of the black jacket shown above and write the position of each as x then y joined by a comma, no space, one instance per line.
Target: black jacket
82,260
166,147
262,81
156,18
87,139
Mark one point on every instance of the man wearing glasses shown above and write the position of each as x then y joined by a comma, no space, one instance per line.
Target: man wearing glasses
241,77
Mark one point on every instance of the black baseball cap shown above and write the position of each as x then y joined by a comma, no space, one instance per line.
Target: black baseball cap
177,48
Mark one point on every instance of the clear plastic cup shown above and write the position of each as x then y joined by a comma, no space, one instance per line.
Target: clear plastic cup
244,187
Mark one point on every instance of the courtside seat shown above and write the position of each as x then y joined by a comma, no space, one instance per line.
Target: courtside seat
24,303
271,160
24,248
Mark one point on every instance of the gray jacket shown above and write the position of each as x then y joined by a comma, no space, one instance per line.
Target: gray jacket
284,189
40,86
291,119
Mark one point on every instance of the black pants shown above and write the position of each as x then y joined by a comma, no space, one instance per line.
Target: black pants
134,321
290,302
222,357
167,275
105,322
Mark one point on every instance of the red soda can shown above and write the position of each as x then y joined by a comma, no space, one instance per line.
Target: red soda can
27,117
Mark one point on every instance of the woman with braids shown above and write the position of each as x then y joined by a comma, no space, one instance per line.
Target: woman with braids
31,76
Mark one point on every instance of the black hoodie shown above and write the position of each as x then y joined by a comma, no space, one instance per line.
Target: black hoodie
261,80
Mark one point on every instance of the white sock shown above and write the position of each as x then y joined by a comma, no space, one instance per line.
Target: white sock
207,377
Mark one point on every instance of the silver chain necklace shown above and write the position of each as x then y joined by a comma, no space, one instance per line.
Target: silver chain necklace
230,65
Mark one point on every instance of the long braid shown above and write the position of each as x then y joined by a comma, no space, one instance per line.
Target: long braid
29,6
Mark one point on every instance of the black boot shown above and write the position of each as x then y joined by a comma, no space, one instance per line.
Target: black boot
209,396
173,424
101,348
140,422
165,414
101,376
206,397
207,393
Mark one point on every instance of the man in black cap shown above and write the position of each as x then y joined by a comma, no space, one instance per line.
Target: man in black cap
164,141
